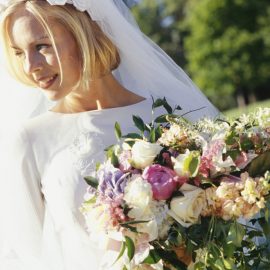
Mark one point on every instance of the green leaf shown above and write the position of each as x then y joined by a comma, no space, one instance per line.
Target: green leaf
130,247
152,257
133,136
265,226
260,165
138,123
110,154
158,132
230,139
117,130
124,268
162,119
132,222
91,181
121,253
229,249
171,258
131,228
157,103
167,107
236,234
199,266
152,135
194,166
91,201
175,238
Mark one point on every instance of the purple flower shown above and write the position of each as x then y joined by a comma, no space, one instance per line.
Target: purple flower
112,181
163,180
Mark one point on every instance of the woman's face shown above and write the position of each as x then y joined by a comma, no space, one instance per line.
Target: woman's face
31,45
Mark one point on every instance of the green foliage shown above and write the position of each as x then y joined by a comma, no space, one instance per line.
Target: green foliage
228,49
161,20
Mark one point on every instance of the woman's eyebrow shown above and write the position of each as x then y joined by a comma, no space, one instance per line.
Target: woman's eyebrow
38,39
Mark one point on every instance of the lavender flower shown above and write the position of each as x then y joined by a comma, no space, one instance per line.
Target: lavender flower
112,181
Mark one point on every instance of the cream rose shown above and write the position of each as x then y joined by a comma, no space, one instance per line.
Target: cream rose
187,209
144,153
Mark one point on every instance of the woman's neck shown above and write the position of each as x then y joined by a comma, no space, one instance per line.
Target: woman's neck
103,93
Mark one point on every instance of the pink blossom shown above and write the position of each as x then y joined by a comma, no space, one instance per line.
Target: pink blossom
244,159
163,180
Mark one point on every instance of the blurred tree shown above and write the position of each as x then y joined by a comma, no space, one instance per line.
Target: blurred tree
228,49
161,20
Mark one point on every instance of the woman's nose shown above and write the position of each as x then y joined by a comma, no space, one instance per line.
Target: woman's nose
32,63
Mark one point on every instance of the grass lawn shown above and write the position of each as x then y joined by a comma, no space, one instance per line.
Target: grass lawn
238,111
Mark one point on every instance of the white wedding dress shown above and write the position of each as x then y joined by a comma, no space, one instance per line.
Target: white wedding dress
41,226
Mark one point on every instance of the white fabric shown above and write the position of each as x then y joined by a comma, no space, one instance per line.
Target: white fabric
41,225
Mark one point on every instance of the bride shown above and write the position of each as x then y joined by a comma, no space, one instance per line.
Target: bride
90,59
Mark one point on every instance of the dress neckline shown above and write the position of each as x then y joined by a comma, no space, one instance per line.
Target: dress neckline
110,110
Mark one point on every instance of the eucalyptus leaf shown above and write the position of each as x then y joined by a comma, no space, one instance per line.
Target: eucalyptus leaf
259,165
91,181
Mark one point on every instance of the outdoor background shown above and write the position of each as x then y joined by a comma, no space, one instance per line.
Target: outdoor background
224,46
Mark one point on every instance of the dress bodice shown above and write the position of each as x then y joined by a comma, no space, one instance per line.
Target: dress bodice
55,152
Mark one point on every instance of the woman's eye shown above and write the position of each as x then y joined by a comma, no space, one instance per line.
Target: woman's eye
40,47
18,53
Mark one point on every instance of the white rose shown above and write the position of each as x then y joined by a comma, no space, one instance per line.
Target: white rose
138,195
150,228
182,164
97,218
144,153
187,209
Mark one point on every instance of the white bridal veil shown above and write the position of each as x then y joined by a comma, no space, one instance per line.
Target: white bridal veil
145,69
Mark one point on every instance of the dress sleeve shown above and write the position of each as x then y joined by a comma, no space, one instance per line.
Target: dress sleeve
21,205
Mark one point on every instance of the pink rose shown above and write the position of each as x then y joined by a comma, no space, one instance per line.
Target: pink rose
164,181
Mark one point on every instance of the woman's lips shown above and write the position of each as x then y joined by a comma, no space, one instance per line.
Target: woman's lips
47,82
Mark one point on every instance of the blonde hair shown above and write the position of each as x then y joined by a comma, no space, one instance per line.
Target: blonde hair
98,54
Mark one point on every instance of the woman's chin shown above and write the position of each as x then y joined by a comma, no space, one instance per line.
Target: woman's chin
52,95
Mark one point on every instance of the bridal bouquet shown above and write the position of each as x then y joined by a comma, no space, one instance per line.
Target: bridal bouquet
186,196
